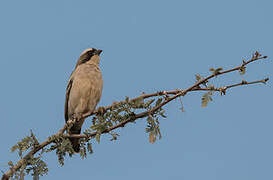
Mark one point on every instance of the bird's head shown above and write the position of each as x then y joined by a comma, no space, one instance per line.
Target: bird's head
90,55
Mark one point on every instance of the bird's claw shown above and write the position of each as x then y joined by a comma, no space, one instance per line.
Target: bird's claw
101,110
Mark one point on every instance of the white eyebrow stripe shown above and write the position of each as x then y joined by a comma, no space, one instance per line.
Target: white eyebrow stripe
86,50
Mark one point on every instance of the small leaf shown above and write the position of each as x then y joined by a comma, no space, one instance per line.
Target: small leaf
204,102
83,152
216,71
13,148
161,113
211,69
159,100
206,98
138,103
149,102
159,133
98,137
34,139
152,138
89,148
211,87
242,70
114,136
198,77
126,99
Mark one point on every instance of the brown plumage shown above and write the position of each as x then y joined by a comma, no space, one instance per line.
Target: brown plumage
83,91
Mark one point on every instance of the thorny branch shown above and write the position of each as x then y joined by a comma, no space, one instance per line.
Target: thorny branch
168,97
176,94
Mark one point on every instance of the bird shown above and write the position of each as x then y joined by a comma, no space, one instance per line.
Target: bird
83,91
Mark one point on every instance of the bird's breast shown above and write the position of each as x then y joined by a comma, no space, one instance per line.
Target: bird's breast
86,89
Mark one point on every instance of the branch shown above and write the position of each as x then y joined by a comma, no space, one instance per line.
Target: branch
176,93
168,97
37,148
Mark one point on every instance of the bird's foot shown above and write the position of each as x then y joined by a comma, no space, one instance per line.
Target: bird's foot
101,110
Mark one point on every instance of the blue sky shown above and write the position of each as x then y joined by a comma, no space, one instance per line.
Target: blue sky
148,46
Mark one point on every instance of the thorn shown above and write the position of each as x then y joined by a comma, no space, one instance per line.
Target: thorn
160,93
166,96
265,80
244,82
181,91
257,54
223,90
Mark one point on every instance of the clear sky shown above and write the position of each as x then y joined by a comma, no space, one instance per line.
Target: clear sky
148,46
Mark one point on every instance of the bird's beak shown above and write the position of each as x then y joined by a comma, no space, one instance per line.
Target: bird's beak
99,51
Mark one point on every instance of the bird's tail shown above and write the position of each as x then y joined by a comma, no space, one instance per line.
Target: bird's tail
75,141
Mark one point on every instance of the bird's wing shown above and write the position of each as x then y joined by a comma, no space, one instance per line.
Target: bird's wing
68,88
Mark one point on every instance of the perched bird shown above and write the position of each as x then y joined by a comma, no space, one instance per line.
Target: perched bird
83,91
